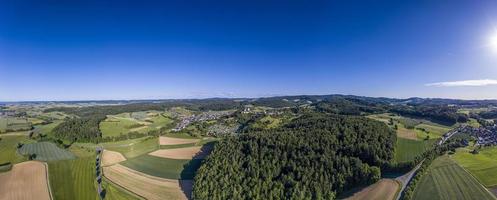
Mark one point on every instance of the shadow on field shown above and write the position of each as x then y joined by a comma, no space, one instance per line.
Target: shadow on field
190,168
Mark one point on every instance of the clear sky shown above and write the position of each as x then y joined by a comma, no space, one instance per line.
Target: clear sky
80,50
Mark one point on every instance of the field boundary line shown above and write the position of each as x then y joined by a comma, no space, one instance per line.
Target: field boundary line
397,193
48,180
121,187
477,180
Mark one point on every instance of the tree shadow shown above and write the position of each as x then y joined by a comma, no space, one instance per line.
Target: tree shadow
190,168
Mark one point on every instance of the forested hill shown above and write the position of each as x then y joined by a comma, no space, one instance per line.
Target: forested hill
315,156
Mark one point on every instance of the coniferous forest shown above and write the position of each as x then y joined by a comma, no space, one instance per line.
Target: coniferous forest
315,156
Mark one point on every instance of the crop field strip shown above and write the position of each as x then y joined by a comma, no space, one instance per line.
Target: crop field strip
385,189
447,180
73,179
149,169
144,185
164,167
46,151
407,150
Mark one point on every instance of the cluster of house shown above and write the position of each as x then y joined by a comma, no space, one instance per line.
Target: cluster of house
205,116
484,135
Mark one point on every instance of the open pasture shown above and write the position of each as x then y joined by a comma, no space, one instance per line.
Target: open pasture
445,179
27,180
141,122
134,147
482,165
8,148
412,128
144,185
45,151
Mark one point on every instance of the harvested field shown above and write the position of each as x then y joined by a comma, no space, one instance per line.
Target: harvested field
147,186
196,152
174,141
385,189
111,157
27,180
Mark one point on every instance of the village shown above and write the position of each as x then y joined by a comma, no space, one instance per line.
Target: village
484,135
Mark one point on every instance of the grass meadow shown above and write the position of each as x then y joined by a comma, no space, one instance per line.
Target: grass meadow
482,165
134,147
8,148
446,180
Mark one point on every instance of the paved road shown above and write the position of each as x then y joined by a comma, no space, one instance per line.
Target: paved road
404,179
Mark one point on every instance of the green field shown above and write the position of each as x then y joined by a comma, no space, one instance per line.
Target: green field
164,167
73,179
8,148
421,128
142,122
134,147
407,150
445,179
115,193
45,151
9,124
47,128
482,165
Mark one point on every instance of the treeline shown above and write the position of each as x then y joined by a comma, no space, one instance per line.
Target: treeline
85,129
491,114
316,156
350,106
440,113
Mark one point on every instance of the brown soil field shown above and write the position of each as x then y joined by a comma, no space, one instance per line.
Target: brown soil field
187,153
146,186
27,180
407,133
111,157
173,141
385,189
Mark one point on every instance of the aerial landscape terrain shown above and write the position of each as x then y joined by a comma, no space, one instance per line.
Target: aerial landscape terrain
248,100
290,147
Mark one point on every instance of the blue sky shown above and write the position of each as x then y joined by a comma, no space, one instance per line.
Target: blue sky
79,50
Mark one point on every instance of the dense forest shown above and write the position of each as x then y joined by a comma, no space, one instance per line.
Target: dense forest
315,156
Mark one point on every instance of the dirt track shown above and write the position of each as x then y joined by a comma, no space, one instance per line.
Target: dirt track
26,180
149,187
111,157
187,153
385,189
174,141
